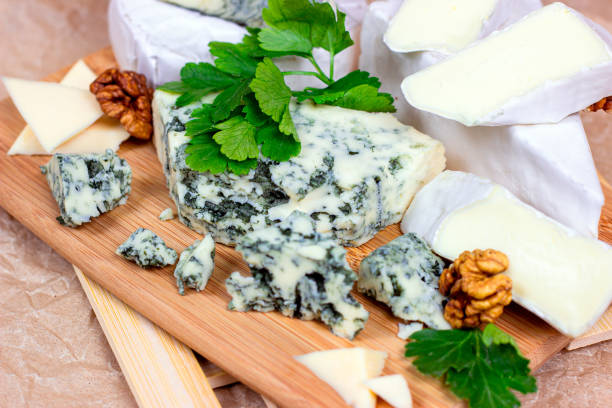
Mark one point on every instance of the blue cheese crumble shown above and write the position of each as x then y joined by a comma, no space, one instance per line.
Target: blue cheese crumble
195,265
147,249
404,274
301,273
166,215
87,185
356,174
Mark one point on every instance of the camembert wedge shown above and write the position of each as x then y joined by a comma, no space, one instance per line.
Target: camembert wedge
564,278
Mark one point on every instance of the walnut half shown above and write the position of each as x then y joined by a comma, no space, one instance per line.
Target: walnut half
477,290
605,104
124,95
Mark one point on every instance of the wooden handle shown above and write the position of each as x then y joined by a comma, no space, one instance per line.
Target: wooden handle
161,371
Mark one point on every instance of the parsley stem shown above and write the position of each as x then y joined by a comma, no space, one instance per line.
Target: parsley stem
315,74
332,57
323,77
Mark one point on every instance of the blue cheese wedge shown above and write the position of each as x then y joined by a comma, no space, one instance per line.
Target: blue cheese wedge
147,249
240,11
87,185
356,174
404,274
195,265
301,273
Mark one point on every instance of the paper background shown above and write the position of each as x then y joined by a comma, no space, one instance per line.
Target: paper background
53,352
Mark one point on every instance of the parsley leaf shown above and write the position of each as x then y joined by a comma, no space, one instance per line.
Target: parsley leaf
276,145
237,139
204,154
478,366
250,112
357,90
274,95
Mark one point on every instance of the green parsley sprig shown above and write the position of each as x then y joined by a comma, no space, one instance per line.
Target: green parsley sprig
250,113
480,367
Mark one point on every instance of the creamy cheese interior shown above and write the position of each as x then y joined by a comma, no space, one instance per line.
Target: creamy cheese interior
557,274
550,44
438,25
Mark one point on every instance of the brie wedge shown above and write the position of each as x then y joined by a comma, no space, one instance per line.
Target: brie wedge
346,370
564,278
551,64
448,26
54,112
549,166
393,389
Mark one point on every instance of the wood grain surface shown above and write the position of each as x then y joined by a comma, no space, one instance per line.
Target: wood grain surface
256,348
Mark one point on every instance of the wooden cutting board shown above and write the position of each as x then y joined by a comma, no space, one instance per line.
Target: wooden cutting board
256,348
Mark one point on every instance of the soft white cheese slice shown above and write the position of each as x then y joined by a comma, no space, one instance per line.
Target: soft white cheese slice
105,133
54,112
564,278
157,39
548,166
448,26
550,64
391,388
345,370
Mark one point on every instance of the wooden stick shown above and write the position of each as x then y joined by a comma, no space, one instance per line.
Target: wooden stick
160,371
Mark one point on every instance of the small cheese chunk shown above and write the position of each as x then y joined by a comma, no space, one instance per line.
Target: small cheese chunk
146,249
87,185
196,264
346,370
406,330
439,25
564,278
404,274
55,112
541,69
300,272
393,389
166,215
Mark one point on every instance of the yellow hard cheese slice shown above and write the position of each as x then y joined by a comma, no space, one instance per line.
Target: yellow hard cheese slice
391,388
105,133
54,112
345,370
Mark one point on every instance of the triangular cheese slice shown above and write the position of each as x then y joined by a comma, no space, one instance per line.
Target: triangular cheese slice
393,389
105,133
345,370
54,112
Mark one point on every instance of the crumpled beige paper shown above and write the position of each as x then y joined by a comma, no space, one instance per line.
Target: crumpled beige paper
52,350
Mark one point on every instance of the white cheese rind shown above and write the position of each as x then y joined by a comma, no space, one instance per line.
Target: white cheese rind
447,26
551,64
346,370
356,174
391,388
557,274
548,166
54,112
157,39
